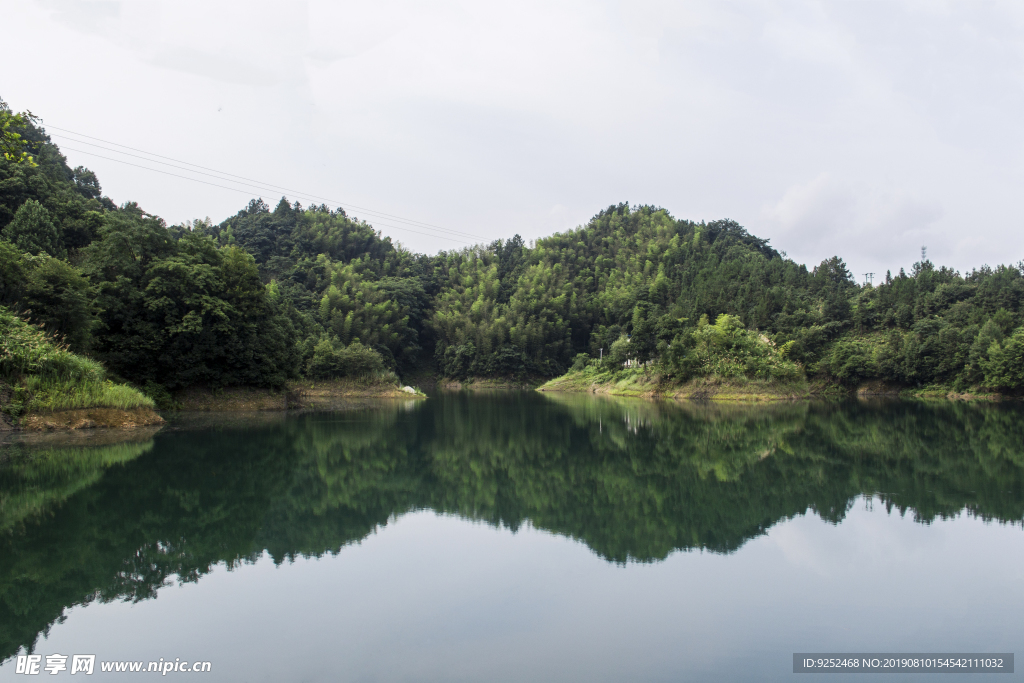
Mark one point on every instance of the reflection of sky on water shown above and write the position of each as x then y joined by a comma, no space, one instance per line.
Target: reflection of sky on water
437,598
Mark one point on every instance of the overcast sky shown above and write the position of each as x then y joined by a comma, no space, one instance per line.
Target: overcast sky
863,129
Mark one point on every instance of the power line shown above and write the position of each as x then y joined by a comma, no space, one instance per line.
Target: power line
210,175
235,189
260,184
295,193
298,195
269,185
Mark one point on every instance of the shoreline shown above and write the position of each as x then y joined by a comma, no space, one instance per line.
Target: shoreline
337,394
86,418
476,383
303,395
749,391
702,389
300,395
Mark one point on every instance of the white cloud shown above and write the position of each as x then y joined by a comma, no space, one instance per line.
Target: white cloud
827,216
864,129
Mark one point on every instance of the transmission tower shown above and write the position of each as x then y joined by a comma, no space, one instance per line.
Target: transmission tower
869,278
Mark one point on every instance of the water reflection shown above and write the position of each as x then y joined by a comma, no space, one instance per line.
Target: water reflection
633,480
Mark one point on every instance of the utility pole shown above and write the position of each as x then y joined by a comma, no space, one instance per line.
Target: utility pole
869,278
602,355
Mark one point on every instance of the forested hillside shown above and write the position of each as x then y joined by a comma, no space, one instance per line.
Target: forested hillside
274,294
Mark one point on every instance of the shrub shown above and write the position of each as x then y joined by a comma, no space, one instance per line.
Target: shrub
580,363
727,349
850,361
160,395
354,360
618,353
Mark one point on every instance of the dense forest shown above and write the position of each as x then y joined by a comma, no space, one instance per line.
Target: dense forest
272,294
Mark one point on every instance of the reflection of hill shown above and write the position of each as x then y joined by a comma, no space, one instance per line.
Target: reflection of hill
931,460
634,480
35,480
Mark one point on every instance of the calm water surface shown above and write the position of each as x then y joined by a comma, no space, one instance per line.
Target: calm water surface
519,537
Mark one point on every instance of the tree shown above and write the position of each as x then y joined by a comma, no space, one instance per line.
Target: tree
60,299
13,146
1004,366
989,335
643,336
33,232
833,279
87,184
186,312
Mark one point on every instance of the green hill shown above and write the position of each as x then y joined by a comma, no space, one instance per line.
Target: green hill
269,296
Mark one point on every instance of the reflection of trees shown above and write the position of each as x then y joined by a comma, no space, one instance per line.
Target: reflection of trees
35,480
934,460
634,480
34,483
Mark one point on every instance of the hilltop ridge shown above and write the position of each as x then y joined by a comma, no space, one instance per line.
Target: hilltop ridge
270,296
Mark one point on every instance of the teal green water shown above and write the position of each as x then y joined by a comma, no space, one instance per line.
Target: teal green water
520,537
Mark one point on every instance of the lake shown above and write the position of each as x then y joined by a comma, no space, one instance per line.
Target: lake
517,536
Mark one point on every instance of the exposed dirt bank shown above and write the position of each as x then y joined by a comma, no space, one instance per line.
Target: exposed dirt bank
307,394
716,389
881,389
88,418
654,386
488,383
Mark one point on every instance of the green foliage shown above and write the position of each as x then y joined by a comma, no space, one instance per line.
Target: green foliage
337,276
354,360
618,353
61,394
200,311
477,335
51,293
1004,364
26,350
931,327
13,147
727,349
161,397
33,232
852,360
581,362
71,197
49,377
248,301
356,307
631,271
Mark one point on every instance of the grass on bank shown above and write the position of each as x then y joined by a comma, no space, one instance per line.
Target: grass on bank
651,383
41,374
